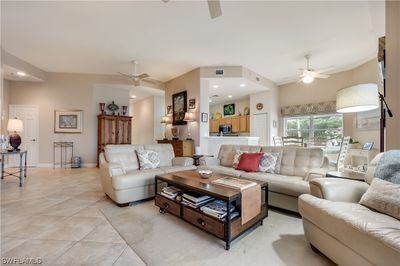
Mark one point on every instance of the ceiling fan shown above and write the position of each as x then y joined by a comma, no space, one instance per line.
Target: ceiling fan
214,7
135,77
309,74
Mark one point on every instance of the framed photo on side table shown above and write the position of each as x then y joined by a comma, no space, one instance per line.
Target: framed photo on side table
68,121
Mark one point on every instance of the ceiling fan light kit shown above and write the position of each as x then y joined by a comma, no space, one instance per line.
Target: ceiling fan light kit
309,75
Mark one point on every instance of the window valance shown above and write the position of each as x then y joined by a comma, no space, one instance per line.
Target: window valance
309,109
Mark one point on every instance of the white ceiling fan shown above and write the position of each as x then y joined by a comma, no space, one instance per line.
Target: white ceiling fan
309,74
214,7
135,77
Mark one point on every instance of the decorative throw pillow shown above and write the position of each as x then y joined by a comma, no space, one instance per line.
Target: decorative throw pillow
236,158
278,163
148,159
384,197
249,162
268,163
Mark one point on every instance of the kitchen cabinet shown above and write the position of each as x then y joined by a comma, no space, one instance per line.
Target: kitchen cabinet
240,124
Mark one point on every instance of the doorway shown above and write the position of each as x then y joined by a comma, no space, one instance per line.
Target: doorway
30,135
261,129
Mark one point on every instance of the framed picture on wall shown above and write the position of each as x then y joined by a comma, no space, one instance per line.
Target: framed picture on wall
169,109
368,120
68,121
179,108
204,117
192,103
229,109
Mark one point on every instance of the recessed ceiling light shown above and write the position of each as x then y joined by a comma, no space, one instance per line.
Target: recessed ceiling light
242,85
21,74
210,101
133,96
215,86
229,96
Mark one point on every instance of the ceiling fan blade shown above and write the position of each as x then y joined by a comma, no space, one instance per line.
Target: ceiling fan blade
143,76
125,75
214,6
321,76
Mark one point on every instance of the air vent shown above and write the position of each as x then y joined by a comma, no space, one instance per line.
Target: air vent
214,96
219,72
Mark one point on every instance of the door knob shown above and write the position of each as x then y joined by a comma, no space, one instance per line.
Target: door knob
33,139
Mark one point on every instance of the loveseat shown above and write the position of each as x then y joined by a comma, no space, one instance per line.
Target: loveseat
347,232
296,167
124,182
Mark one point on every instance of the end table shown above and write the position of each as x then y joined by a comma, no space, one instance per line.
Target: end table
22,164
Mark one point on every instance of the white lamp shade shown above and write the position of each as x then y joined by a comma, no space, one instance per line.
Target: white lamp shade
358,98
189,116
15,125
164,120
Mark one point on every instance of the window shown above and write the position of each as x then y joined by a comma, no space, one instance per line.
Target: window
315,128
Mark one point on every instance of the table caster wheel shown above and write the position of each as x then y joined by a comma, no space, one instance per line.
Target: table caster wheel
162,210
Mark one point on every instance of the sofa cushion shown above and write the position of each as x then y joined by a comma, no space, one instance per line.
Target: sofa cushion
298,161
384,197
135,178
268,162
223,170
165,152
373,235
227,152
249,162
177,168
274,149
289,185
148,159
125,155
236,158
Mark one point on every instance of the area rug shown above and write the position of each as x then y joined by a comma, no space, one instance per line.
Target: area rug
162,239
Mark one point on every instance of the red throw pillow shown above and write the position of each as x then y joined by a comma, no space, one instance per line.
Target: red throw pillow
249,162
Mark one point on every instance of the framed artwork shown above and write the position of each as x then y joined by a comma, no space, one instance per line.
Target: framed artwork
204,117
68,121
192,103
169,109
179,108
229,109
368,120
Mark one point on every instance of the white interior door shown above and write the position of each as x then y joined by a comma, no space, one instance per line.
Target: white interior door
30,135
260,128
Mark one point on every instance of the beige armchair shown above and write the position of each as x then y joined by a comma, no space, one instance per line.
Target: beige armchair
345,231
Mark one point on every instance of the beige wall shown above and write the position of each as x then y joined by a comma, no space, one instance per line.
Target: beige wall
146,126
67,91
393,73
191,83
322,90
5,98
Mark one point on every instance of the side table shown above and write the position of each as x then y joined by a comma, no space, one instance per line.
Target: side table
347,175
63,146
22,164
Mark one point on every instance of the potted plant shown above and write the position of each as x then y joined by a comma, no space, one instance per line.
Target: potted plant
354,144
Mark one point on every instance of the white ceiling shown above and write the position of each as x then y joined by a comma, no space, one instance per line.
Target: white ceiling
231,86
171,38
136,93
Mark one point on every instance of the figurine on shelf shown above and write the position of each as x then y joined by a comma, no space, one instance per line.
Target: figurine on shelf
113,107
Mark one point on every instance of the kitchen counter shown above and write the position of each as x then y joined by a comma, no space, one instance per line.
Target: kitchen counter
215,142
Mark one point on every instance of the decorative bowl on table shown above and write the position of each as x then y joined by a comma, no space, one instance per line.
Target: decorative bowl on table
205,173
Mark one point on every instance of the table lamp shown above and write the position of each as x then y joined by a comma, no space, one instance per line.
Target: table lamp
14,126
165,120
189,117
363,97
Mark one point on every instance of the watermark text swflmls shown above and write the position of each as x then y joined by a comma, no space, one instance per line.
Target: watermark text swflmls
21,260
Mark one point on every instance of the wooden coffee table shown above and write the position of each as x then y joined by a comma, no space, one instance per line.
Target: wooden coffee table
227,230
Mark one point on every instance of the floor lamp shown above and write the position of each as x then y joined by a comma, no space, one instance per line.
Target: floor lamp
364,97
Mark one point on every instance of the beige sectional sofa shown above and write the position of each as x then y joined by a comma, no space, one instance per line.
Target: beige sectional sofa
297,167
345,231
124,182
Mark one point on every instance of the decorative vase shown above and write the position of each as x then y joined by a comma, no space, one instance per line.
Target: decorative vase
124,109
102,107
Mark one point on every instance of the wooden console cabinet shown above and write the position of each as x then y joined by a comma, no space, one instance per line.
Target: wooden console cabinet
112,129
182,148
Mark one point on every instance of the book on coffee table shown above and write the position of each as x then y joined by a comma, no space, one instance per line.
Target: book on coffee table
233,182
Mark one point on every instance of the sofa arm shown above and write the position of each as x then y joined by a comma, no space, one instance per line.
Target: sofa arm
336,189
315,173
110,169
182,161
209,161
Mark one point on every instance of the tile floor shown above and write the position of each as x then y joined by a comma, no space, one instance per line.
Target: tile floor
56,216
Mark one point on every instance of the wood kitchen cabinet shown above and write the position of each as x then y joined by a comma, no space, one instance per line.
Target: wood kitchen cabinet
214,125
235,124
240,124
112,129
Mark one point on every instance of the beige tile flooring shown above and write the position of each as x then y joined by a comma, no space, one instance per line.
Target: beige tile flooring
56,216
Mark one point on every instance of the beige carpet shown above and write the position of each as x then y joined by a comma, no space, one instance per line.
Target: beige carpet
162,239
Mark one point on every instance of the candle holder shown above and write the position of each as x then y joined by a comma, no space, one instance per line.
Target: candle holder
124,109
102,107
